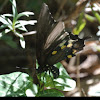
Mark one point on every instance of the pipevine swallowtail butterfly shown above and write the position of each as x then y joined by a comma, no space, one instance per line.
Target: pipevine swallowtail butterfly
53,43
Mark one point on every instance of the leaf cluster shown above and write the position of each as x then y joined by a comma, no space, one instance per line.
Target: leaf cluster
12,22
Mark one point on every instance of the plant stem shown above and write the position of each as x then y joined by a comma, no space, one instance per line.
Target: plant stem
78,74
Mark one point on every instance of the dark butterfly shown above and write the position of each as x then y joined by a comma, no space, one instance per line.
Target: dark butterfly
53,44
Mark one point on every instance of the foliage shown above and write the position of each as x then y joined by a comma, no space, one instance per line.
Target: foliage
63,82
21,84
50,93
15,24
97,16
80,24
16,84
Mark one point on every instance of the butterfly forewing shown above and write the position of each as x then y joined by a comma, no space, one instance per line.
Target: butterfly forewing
48,35
44,26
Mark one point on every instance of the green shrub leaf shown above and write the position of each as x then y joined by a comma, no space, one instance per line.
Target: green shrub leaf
27,13
50,93
80,24
16,84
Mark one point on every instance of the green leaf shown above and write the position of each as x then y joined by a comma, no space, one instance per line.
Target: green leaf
9,40
4,32
90,18
63,72
80,24
18,34
80,20
27,13
24,22
3,26
32,91
21,24
63,82
50,93
14,8
8,15
6,21
77,30
22,42
3,20
96,14
15,84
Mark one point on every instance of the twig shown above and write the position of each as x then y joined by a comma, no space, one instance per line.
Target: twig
84,92
76,11
78,74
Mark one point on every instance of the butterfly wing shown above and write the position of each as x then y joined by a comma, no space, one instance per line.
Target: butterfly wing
68,50
49,34
44,26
